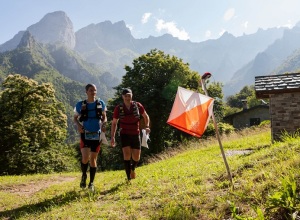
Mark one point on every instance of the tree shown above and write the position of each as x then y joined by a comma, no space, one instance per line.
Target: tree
214,90
154,79
32,126
247,93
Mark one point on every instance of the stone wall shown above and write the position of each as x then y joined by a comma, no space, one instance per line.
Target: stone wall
285,113
243,120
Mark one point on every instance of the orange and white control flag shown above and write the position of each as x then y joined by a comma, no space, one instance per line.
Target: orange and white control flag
191,112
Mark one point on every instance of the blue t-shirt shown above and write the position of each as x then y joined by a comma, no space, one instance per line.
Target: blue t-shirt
92,123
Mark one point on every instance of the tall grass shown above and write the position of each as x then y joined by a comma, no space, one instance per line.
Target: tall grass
187,183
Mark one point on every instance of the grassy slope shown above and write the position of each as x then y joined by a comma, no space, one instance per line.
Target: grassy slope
191,184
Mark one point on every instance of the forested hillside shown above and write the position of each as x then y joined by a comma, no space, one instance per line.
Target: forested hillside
61,67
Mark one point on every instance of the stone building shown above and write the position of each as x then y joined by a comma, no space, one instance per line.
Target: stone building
283,92
248,116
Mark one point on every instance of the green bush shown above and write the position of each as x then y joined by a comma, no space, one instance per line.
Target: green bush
223,128
265,123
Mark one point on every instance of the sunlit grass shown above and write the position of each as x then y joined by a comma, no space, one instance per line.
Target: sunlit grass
187,183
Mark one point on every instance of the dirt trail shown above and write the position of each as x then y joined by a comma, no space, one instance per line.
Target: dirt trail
30,188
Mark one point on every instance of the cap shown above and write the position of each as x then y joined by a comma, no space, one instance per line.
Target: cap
126,91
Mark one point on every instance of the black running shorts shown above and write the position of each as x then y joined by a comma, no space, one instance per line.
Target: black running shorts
134,141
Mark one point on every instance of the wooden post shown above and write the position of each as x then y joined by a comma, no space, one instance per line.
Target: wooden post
204,77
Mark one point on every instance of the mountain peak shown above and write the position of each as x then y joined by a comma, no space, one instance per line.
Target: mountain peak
112,36
27,40
227,35
119,27
53,28
12,43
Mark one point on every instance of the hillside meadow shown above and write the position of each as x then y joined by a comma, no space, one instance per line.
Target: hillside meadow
187,183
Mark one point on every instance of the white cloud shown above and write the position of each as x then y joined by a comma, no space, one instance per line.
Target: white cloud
229,14
288,24
207,34
170,27
245,24
146,17
130,26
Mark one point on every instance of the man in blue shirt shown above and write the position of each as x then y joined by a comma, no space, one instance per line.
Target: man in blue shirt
90,118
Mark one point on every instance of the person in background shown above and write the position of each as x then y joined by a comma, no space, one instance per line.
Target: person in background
90,118
128,113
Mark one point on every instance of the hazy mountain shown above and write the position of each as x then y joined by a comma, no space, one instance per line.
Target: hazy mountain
279,57
13,43
60,66
109,46
32,59
108,36
53,28
234,61
112,46
54,37
291,64
28,58
221,57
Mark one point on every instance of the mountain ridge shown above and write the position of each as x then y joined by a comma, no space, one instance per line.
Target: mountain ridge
110,46
59,65
273,60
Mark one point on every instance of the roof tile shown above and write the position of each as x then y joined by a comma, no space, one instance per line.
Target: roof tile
283,83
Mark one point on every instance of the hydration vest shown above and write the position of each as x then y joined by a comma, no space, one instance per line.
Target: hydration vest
84,111
136,111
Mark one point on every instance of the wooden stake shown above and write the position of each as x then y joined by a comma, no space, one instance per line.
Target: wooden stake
217,133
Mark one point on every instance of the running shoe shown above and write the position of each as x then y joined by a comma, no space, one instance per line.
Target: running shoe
91,187
132,174
83,181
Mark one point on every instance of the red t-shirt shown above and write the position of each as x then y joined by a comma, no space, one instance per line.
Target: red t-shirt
129,124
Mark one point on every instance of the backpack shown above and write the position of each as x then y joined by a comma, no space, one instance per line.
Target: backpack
84,111
136,111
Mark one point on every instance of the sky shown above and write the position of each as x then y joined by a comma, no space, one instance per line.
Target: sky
194,20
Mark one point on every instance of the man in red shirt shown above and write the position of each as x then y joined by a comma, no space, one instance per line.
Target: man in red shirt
128,113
